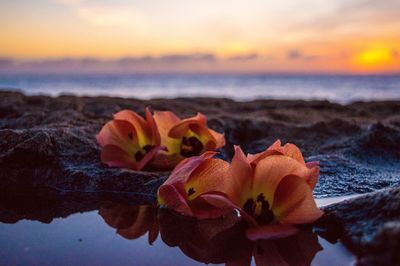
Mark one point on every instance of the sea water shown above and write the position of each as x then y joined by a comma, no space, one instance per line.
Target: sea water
336,88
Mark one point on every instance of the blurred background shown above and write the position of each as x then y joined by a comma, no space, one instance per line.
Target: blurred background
342,51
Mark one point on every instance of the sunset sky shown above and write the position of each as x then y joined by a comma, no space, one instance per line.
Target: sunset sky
343,36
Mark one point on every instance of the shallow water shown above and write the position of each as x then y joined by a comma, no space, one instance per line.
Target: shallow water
336,88
89,238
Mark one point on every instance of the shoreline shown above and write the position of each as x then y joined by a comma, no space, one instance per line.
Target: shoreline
48,147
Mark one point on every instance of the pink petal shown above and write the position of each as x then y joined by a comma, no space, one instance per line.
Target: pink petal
241,179
211,205
118,132
147,157
184,169
135,120
169,196
153,128
114,156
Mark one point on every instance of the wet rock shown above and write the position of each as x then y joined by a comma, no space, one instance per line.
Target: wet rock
50,142
368,225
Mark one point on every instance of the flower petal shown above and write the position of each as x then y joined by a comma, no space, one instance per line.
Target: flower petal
241,178
118,132
165,121
273,231
144,133
219,139
148,157
274,149
293,151
211,205
211,175
114,156
179,130
184,169
165,161
155,134
294,202
173,198
270,171
313,177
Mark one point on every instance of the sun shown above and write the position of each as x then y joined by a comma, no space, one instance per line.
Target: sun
374,57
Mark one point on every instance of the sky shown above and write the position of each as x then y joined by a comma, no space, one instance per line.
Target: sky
246,36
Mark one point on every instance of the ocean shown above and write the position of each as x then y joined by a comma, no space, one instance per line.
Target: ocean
335,88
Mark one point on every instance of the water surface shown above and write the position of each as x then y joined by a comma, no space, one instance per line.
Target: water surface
90,238
336,88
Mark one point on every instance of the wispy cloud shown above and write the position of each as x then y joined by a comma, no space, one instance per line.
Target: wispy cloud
107,13
296,54
164,63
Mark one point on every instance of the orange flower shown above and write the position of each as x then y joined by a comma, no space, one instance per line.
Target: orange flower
194,187
274,190
129,140
183,138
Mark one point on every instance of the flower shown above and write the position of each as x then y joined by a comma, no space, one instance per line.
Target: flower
194,187
129,140
183,138
161,140
273,190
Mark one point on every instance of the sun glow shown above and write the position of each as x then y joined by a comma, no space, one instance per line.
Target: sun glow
375,57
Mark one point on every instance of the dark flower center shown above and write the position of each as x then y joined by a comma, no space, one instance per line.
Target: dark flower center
191,147
141,153
191,191
259,209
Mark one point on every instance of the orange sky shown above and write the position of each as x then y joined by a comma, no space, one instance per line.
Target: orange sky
359,36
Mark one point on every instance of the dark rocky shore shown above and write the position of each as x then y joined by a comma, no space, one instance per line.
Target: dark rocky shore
50,166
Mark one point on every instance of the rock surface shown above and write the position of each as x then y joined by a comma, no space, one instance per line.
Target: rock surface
368,225
50,142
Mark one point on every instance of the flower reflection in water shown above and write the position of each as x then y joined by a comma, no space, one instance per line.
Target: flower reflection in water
132,221
221,240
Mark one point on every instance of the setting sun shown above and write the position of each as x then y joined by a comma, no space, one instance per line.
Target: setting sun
375,57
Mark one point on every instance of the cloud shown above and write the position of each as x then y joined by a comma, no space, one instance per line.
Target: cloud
107,13
295,54
6,62
247,57
167,62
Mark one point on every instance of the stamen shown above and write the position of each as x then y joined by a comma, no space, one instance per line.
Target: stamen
259,209
139,156
265,215
191,191
249,207
148,147
191,147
